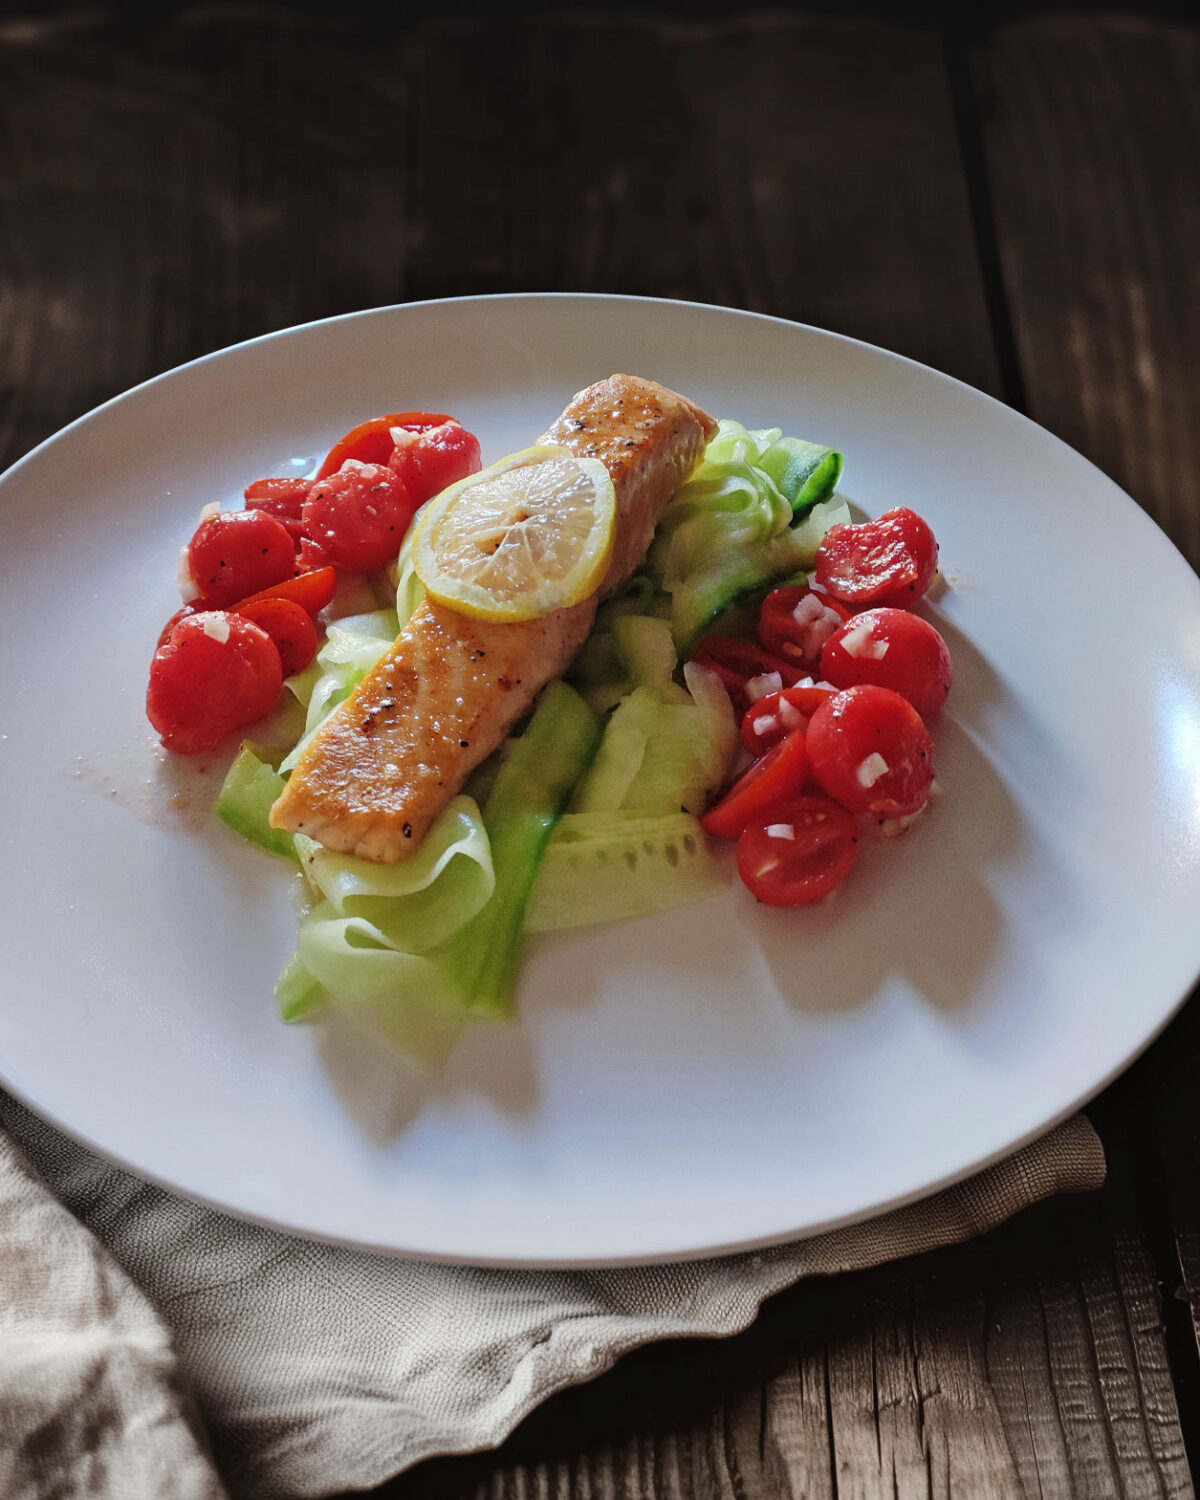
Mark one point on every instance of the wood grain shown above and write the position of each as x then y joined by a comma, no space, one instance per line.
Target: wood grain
169,189
798,166
167,186
1092,131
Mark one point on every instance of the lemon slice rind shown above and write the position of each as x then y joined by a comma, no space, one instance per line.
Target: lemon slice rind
523,544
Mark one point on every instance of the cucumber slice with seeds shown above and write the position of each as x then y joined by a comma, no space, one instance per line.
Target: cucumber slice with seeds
604,868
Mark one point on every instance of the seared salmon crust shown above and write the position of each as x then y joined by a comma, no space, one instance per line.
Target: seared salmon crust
449,691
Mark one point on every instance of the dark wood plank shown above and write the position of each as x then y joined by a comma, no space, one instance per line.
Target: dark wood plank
1172,1095
169,189
166,187
1093,144
234,173
798,166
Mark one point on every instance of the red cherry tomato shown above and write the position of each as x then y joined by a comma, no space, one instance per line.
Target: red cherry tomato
311,558
439,457
870,751
777,778
894,649
774,717
738,663
215,673
371,442
311,591
889,561
288,625
805,850
182,614
239,552
281,498
796,622
357,517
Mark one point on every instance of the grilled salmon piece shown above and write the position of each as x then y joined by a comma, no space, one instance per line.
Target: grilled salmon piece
451,688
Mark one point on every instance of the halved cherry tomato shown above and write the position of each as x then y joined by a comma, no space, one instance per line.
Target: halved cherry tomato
357,517
894,649
288,625
371,442
281,498
437,458
871,752
796,622
804,851
738,663
311,558
774,717
193,608
239,552
215,673
311,591
889,561
777,778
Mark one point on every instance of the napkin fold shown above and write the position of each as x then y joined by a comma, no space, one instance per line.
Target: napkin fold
319,1369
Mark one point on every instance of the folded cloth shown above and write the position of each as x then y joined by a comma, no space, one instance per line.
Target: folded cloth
319,1369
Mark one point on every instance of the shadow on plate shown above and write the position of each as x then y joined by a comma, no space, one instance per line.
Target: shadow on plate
384,1089
936,907
917,907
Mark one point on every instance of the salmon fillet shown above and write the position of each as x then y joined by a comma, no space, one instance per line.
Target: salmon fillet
451,688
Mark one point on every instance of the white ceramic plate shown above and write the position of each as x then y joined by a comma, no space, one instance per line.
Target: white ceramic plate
722,1076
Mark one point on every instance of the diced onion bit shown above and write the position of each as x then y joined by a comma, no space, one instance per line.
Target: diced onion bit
789,716
402,437
759,687
872,769
213,508
781,831
766,722
189,589
859,642
808,610
216,627
817,622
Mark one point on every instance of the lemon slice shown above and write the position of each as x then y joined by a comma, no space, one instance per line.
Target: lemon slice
530,534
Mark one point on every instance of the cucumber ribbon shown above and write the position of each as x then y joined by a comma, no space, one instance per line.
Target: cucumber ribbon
526,801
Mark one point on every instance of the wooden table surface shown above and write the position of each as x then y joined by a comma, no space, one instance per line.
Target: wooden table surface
1018,206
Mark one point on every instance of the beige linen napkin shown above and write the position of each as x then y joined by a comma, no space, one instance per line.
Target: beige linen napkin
319,1369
